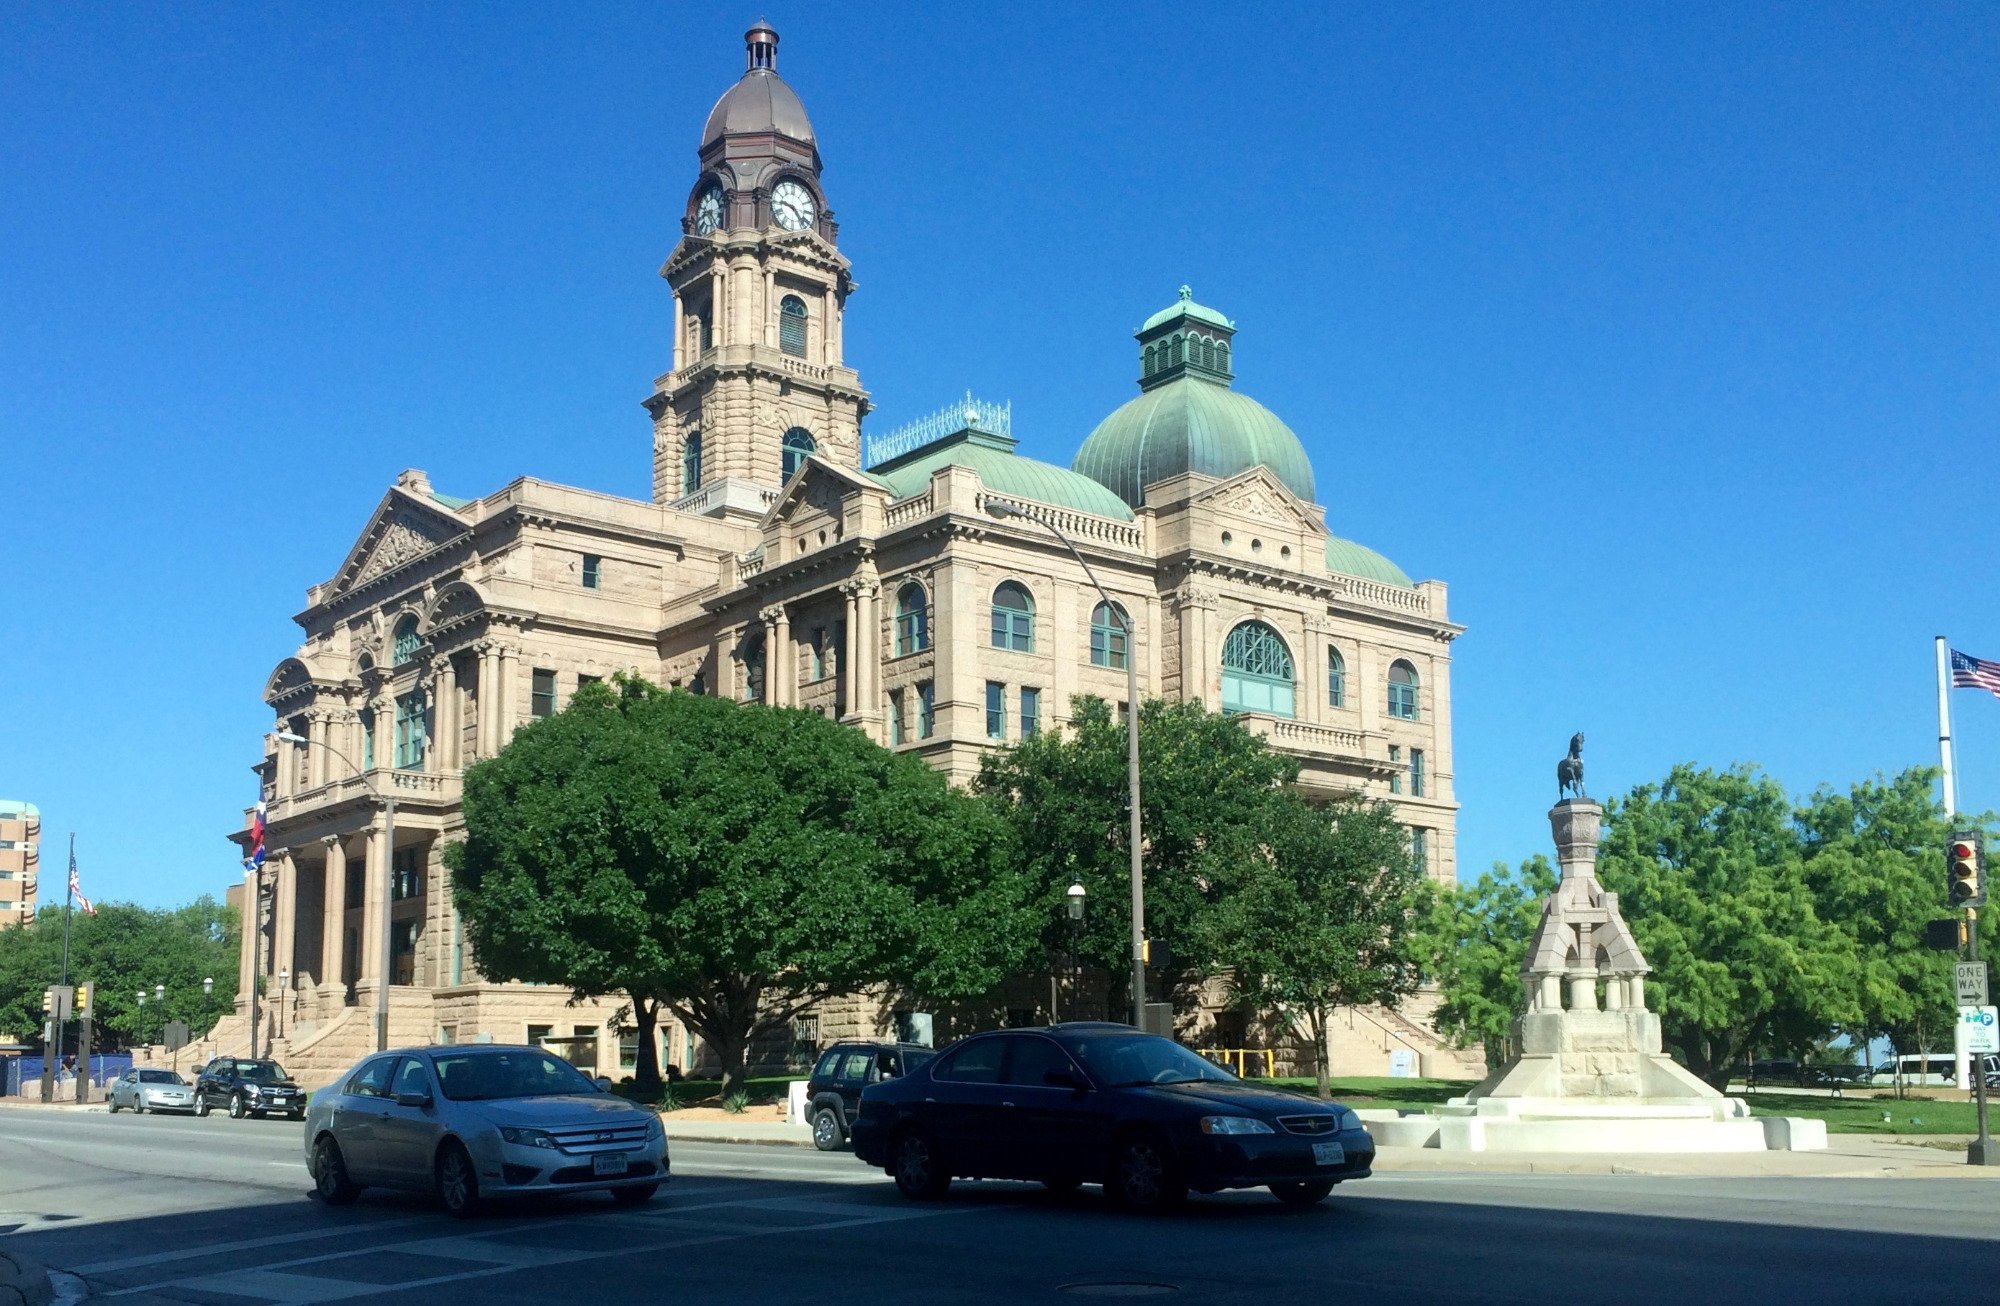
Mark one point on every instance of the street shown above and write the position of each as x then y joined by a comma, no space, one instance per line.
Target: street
156,1209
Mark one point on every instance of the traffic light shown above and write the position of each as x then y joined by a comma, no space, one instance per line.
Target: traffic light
1965,870
49,1002
1947,935
83,994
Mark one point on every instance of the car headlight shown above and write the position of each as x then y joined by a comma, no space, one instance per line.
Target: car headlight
254,1091
1347,1120
655,1127
526,1137
1234,1125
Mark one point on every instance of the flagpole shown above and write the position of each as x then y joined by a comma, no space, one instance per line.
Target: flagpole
69,910
1944,732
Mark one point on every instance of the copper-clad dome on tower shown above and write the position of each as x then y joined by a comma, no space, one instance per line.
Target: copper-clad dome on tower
760,101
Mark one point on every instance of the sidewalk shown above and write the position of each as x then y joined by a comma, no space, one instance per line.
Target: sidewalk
737,1131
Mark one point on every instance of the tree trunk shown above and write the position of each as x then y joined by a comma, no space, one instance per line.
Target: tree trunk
1316,1022
646,1080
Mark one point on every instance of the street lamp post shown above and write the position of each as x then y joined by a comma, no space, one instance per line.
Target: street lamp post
1002,509
388,802
1075,897
284,988
141,1033
253,921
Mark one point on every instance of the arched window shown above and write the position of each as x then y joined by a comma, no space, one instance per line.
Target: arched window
1402,690
406,640
1222,355
1257,674
1206,347
913,620
1013,618
1110,631
798,443
691,463
1176,355
1149,360
752,653
1336,679
792,326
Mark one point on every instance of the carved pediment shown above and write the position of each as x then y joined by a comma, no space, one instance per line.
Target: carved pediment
822,487
1261,496
404,527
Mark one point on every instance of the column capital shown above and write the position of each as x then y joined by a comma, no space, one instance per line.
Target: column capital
1194,596
773,616
329,840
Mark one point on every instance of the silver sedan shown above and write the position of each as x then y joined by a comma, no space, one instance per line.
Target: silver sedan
475,1122
149,1090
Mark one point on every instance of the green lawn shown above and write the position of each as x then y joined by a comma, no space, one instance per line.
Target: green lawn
1863,1115
1378,1092
702,1092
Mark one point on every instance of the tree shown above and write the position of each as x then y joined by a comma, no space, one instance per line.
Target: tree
1710,876
732,863
1205,784
124,949
1322,913
1476,937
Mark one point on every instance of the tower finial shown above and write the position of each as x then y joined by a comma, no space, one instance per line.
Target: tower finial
1187,293
762,39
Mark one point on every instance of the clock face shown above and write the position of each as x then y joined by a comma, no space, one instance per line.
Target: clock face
708,213
792,205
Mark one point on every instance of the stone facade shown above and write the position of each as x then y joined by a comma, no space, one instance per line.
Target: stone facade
20,862
778,562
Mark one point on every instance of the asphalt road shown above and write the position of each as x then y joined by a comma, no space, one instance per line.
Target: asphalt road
157,1209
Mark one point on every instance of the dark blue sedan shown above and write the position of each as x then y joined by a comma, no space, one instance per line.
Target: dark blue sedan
1097,1103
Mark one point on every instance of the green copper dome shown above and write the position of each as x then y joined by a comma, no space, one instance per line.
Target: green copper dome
1186,418
1001,470
1351,559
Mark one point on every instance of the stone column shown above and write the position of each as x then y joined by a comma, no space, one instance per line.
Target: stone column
828,353
284,911
680,333
852,670
246,953
333,928
781,666
770,333
374,907
869,602
503,697
282,763
1635,992
1194,604
489,683
444,717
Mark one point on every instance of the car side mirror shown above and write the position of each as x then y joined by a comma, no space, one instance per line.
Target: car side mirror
413,1099
1064,1079
603,1084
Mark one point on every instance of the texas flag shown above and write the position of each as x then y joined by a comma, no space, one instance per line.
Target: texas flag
255,861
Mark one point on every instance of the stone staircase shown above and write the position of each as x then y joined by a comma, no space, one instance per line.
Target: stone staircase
316,1052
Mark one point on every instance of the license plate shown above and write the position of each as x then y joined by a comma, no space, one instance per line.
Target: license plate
1329,1154
619,1164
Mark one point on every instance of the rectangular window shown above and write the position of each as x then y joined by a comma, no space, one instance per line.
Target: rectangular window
1420,849
819,653
354,884
996,710
410,731
542,696
447,1034
593,572
896,716
1396,774
1031,711
406,874
536,1033
628,1050
1417,772
926,709
367,739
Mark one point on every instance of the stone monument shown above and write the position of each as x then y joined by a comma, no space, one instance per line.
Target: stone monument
1591,1075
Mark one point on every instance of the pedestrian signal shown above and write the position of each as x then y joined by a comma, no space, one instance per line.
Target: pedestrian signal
1947,935
1965,870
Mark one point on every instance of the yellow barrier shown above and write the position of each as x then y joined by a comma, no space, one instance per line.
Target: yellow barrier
1236,1059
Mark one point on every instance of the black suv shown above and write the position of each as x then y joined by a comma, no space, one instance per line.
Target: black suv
833,1094
248,1088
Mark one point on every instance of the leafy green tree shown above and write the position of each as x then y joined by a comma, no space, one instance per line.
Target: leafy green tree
1710,876
1205,786
732,863
124,949
1476,937
1322,913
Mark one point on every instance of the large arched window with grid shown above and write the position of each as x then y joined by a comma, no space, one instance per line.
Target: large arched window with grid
407,640
798,444
913,619
1013,618
1110,636
792,326
1402,690
1257,671
1336,679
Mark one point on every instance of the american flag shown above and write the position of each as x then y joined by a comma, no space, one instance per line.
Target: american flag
76,890
1968,672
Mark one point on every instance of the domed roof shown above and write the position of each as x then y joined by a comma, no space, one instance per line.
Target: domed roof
760,102
1187,307
1000,469
1351,559
1191,424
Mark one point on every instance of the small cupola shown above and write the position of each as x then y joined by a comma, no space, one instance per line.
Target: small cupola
762,39
1185,339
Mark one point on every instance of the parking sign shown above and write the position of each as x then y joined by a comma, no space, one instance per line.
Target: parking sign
1982,1029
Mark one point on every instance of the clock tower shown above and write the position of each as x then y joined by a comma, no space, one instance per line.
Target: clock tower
760,289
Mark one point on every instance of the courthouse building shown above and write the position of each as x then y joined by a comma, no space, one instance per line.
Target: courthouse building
791,555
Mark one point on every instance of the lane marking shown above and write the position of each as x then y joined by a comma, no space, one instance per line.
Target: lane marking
245,1245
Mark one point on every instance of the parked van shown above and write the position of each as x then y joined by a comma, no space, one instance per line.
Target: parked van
1938,1069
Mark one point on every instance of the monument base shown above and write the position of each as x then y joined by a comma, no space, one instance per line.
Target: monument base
1654,1127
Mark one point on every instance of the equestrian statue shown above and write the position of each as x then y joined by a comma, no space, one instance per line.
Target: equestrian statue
1569,771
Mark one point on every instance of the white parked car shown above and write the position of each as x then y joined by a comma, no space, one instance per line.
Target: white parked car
475,1122
149,1090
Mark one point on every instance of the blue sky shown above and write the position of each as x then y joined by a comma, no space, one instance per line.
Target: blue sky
1666,336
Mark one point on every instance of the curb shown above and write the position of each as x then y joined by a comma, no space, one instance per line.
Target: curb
734,1138
24,1281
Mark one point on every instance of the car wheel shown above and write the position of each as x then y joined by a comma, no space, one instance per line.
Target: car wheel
236,1107
1145,1177
139,1106
201,1107
330,1175
457,1182
111,1105
920,1172
1302,1192
826,1130
634,1194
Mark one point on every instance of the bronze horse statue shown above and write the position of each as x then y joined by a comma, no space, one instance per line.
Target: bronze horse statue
1569,771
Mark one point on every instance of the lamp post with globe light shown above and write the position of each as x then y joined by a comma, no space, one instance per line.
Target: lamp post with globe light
1002,509
388,802
1075,898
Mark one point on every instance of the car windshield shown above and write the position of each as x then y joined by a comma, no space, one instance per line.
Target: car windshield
523,1072
260,1072
160,1077
1135,1059
914,1057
